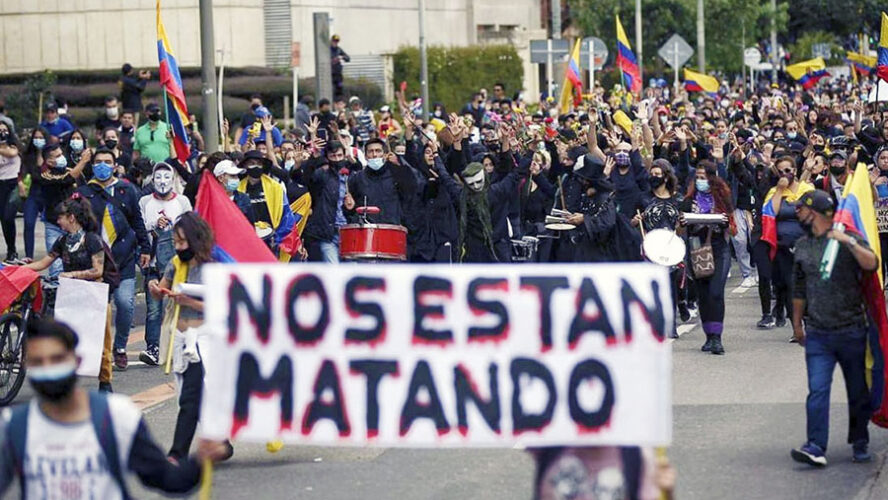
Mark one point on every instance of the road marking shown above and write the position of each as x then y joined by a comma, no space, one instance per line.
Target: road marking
740,290
154,396
683,329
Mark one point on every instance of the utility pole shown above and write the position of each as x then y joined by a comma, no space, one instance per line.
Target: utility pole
743,59
556,19
774,41
208,77
638,46
701,37
424,64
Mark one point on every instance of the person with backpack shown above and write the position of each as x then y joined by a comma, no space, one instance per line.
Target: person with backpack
84,256
115,204
100,438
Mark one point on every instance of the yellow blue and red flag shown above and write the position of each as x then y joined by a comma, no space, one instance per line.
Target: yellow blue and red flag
626,61
882,52
171,81
809,72
700,82
857,212
573,82
863,65
769,215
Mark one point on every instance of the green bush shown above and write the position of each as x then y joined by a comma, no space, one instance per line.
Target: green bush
456,72
801,49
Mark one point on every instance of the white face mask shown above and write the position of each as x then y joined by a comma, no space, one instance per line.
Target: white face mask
476,182
289,164
112,113
163,182
375,163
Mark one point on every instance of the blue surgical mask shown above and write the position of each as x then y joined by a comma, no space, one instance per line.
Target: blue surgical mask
231,185
792,135
76,145
702,185
39,142
102,171
61,162
289,164
375,163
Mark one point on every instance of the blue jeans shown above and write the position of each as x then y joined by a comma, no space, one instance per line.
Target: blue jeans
33,207
822,352
165,251
330,250
51,234
124,302
740,242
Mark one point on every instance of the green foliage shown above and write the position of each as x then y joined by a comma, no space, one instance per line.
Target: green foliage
801,49
839,17
725,23
456,72
24,104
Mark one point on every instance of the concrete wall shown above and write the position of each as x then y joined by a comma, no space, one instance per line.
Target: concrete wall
103,34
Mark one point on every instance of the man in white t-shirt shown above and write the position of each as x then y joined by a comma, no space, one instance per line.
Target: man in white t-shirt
65,443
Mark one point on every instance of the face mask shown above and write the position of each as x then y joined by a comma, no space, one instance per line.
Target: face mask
61,162
818,148
837,171
663,119
657,181
476,182
54,382
337,164
767,133
185,255
76,145
622,159
807,227
39,142
289,164
110,143
163,182
155,116
254,172
790,177
102,171
375,163
231,185
702,185
792,135
438,113
4,135
112,113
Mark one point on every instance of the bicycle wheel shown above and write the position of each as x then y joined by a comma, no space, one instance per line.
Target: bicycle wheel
12,356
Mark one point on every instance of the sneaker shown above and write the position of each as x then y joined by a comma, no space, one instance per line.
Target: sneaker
810,454
683,312
105,387
12,259
766,323
229,452
707,347
120,360
792,340
150,355
860,452
694,312
716,346
779,321
748,282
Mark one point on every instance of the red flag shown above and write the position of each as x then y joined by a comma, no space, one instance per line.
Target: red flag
234,233
14,281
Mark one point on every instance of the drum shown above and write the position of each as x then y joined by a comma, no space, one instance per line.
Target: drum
371,242
664,247
524,250
266,234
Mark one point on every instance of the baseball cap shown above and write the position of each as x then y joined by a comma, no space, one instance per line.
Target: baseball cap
50,106
152,106
226,167
261,112
818,201
335,37
841,153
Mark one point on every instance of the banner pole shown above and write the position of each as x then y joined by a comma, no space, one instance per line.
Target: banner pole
206,481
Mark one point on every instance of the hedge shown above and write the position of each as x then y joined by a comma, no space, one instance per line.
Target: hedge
456,72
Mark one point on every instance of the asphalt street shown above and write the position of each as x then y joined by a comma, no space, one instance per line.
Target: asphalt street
735,419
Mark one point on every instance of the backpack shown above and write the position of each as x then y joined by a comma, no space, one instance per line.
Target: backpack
17,434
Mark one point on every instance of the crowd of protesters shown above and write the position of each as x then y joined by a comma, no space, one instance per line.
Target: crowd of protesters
481,185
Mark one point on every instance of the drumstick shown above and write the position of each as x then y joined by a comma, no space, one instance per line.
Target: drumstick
640,222
561,192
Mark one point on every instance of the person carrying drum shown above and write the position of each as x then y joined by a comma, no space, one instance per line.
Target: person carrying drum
385,184
272,216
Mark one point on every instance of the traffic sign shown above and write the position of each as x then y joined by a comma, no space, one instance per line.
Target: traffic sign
675,51
599,52
539,50
823,50
752,56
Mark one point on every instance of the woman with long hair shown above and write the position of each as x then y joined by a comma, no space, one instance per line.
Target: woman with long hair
193,240
32,162
537,197
74,145
711,195
10,170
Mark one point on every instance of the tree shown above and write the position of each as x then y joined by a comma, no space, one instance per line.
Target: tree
842,18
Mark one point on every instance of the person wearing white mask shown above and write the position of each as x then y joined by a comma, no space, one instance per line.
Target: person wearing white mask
109,117
160,210
227,173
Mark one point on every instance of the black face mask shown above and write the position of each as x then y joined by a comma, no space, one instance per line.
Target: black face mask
154,116
338,164
656,182
4,135
185,255
807,227
110,143
818,148
254,172
55,390
837,171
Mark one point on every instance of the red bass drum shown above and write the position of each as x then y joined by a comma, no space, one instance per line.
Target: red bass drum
368,242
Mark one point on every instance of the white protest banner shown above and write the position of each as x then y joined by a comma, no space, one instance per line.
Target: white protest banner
882,214
403,355
83,305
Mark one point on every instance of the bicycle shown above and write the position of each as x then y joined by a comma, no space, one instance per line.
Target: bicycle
13,325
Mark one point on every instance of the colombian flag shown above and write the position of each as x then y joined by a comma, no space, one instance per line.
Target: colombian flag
809,72
626,61
882,64
700,82
171,81
862,64
235,236
769,216
856,211
573,82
